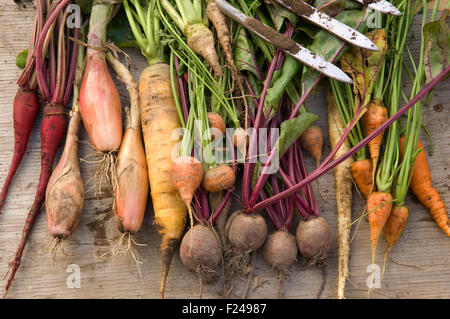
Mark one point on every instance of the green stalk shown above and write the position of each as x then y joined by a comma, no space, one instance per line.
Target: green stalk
174,89
145,25
414,119
185,14
196,66
379,84
389,166
197,125
101,14
172,12
345,104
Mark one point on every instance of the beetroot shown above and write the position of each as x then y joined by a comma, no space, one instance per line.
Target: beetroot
280,250
25,109
200,251
314,240
246,232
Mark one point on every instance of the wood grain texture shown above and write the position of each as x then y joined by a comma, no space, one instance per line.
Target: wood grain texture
423,244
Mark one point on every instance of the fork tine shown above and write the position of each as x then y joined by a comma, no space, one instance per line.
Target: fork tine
326,22
283,42
382,6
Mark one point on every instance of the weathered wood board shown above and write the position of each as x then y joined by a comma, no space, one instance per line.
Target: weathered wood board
423,245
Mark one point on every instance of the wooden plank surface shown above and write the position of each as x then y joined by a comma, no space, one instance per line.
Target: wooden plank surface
423,245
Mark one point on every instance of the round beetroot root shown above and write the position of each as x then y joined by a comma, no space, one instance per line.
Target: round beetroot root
200,252
246,232
280,250
314,240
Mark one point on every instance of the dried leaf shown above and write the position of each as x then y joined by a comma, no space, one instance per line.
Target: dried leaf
364,65
437,46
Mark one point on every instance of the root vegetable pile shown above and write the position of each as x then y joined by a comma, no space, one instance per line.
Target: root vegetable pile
216,132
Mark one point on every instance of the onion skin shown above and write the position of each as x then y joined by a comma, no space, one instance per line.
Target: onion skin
132,188
100,106
64,197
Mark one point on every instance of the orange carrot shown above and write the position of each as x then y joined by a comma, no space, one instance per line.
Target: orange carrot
395,225
379,206
362,174
422,187
312,141
219,178
216,122
375,115
186,173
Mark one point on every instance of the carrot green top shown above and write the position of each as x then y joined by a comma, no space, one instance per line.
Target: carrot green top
399,28
414,119
145,25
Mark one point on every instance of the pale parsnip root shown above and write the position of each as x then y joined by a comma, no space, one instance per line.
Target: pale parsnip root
201,40
343,178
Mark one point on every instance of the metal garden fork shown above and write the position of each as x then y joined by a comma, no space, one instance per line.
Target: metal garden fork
313,15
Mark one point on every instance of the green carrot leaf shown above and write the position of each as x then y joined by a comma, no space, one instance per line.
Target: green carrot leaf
309,29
